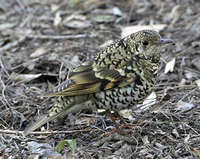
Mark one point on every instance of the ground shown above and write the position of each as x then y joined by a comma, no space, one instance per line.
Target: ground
41,41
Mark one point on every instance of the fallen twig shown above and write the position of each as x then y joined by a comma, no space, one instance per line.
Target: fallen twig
60,36
13,44
48,132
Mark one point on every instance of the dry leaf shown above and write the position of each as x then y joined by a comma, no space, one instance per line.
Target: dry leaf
24,77
170,65
189,73
38,52
144,151
198,83
187,138
145,140
100,110
117,11
57,20
183,82
175,132
111,11
75,59
150,100
183,106
132,29
104,18
30,64
77,24
126,114
74,17
54,7
196,63
5,26
43,149
160,146
125,149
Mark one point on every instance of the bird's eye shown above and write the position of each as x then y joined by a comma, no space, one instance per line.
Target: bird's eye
145,43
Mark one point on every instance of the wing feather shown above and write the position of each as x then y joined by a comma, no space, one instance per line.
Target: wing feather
92,77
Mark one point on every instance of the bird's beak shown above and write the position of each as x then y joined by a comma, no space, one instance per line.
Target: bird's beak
166,41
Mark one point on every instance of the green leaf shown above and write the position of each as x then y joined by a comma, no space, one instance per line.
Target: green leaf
61,145
72,145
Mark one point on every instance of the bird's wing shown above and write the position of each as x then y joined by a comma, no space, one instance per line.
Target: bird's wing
85,79
111,68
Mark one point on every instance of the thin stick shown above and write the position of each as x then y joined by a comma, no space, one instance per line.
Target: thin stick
59,36
48,132
13,44
2,83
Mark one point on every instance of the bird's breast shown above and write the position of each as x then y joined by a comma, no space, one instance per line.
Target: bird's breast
124,97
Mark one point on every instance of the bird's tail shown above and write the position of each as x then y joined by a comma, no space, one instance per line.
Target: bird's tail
56,111
41,121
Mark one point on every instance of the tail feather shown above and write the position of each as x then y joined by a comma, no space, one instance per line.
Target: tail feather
41,121
54,114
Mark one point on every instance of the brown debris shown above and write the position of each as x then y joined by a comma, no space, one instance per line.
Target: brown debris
41,41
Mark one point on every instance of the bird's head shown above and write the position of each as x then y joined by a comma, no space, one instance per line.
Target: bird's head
147,44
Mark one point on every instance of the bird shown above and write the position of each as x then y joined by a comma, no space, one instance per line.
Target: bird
119,77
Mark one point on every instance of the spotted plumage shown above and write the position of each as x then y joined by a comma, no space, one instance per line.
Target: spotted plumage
120,76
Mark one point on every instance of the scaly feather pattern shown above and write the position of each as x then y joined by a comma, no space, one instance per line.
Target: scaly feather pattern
120,76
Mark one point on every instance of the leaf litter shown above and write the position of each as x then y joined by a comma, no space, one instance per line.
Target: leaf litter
41,41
